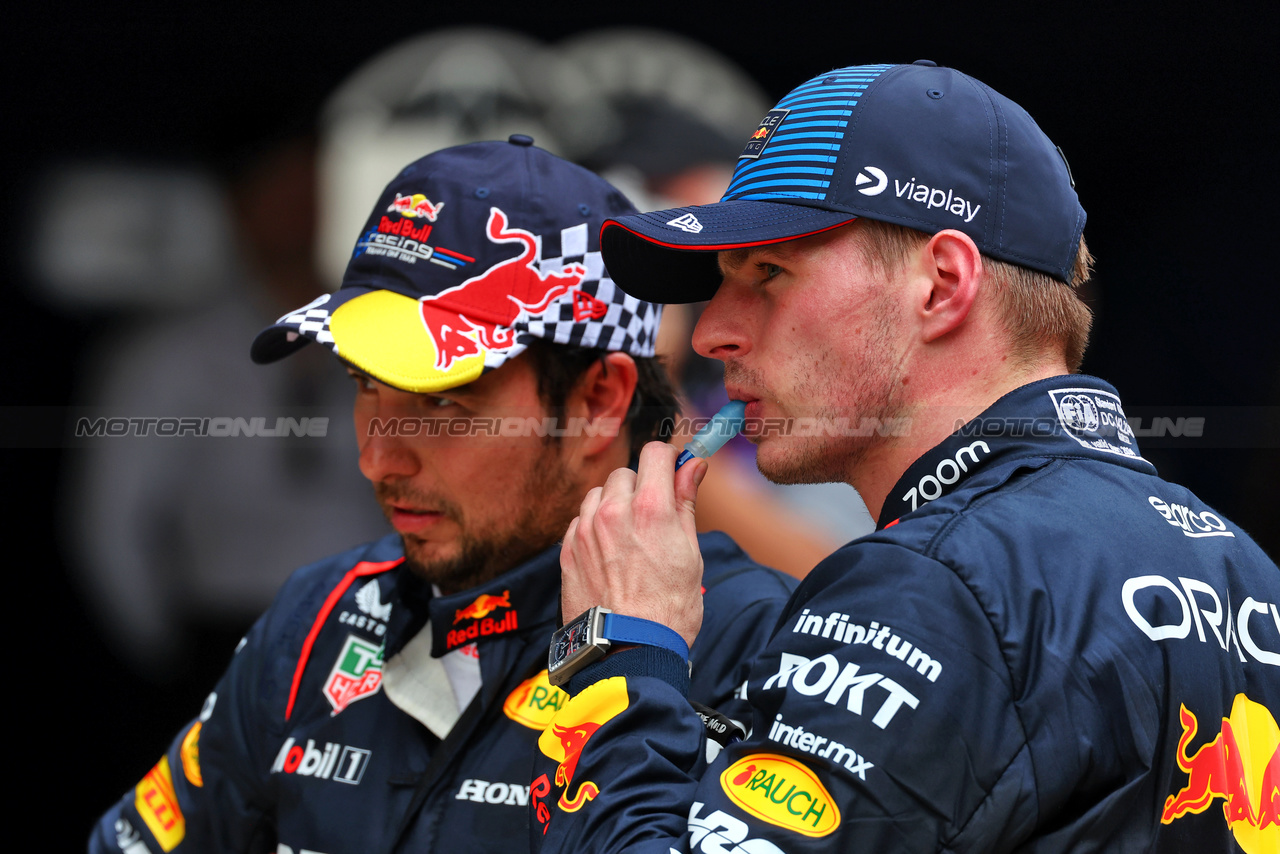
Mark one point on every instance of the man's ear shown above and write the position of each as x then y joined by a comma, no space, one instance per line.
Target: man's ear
952,269
602,396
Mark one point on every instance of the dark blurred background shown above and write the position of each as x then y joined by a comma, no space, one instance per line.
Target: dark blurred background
1166,115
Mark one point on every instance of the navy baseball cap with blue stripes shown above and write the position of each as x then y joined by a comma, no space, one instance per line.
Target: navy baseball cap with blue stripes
917,145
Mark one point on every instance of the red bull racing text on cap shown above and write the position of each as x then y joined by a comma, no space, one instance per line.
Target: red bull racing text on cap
469,253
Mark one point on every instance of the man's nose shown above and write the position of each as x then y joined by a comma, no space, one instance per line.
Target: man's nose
384,453
721,332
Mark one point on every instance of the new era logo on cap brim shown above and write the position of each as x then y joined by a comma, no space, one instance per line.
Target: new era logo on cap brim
687,222
654,249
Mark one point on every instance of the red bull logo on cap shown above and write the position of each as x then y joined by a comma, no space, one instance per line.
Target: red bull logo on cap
451,338
1240,765
415,205
478,315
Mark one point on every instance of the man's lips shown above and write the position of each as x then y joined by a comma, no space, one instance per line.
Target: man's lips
754,409
407,520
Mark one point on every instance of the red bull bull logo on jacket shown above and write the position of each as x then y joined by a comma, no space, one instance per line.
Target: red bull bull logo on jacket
565,740
483,625
1239,765
484,605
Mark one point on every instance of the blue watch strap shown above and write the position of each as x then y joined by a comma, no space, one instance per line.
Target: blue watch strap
622,629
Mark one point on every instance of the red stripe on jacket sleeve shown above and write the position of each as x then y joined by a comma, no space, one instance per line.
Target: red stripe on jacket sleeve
361,569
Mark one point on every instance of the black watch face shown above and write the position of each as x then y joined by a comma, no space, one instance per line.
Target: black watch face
570,639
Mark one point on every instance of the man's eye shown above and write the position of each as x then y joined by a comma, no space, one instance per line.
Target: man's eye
439,402
768,271
363,383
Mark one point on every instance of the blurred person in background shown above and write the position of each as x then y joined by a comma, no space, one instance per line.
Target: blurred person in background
181,541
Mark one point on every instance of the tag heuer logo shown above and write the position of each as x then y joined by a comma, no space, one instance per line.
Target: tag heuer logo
687,222
356,674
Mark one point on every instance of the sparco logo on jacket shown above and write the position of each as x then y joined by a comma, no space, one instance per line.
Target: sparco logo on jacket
331,762
1192,523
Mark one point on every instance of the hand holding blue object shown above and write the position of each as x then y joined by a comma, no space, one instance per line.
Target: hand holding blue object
722,427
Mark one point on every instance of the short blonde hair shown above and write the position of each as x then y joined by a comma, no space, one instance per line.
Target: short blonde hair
1040,312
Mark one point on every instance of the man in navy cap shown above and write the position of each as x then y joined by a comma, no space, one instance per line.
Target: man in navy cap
391,697
1043,646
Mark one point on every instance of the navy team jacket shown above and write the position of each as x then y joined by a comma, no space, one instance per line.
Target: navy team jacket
1043,647
300,749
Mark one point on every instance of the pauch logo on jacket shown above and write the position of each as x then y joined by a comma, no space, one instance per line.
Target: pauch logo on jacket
783,792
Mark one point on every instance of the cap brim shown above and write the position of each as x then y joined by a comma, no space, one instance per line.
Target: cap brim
385,334
652,258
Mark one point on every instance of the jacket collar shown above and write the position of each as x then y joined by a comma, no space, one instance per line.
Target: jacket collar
1068,416
523,599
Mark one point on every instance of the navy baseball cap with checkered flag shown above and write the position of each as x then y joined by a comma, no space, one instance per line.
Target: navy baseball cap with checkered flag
470,252
916,145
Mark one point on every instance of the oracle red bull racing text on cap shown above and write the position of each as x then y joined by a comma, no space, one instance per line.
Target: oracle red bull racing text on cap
471,252
915,145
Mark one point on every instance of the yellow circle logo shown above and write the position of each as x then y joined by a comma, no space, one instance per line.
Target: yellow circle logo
783,792
190,753
534,702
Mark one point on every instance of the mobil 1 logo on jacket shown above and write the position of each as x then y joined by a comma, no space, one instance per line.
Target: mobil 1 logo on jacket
327,760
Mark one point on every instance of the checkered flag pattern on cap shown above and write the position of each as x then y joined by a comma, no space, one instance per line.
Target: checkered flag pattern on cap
470,254
312,321
595,314
598,313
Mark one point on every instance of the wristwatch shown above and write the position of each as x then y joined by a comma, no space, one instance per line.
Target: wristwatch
588,636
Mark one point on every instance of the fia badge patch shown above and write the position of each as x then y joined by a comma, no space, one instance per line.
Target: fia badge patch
1095,419
762,135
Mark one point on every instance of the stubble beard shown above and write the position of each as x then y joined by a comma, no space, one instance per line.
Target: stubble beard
864,399
551,500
